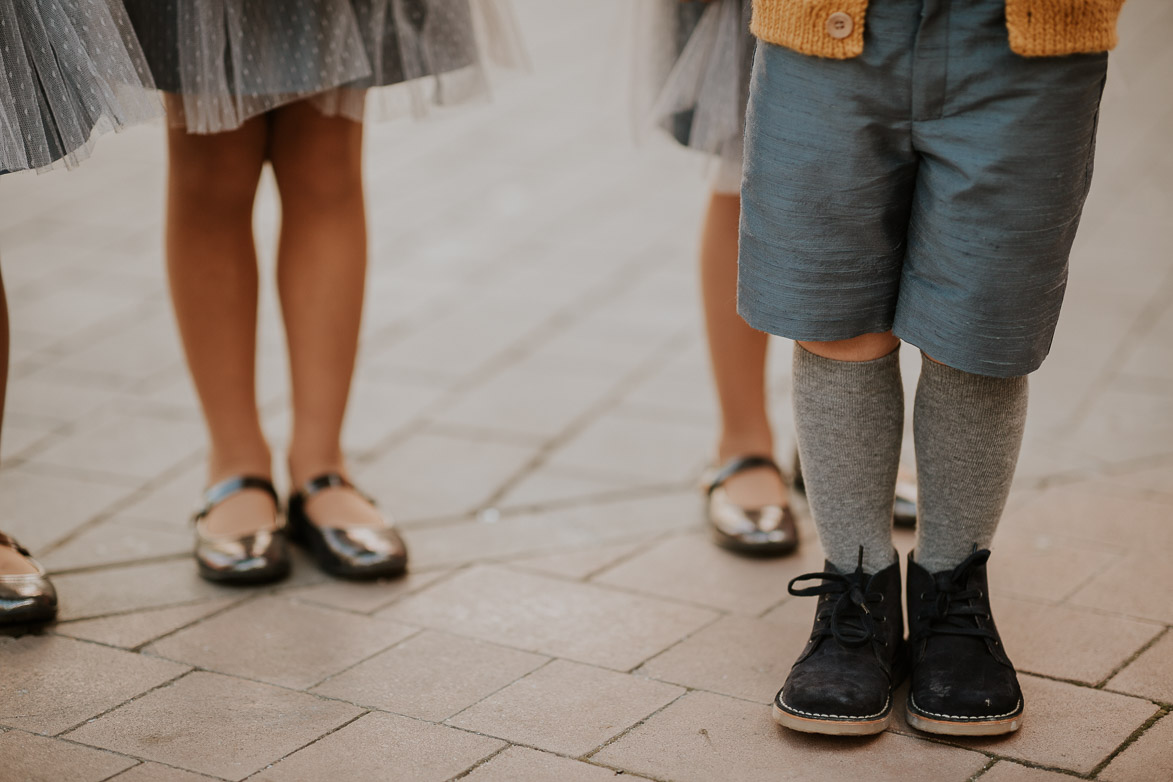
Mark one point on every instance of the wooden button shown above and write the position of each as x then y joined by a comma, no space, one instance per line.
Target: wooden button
839,25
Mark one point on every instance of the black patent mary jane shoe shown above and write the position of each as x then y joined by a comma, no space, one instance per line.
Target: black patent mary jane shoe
25,598
256,558
843,681
347,552
963,684
768,531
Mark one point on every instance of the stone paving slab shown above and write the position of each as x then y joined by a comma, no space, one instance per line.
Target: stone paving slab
533,404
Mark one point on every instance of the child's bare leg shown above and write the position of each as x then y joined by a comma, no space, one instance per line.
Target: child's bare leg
11,562
212,266
321,275
738,356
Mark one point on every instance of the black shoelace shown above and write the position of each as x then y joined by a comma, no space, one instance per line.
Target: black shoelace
953,611
849,621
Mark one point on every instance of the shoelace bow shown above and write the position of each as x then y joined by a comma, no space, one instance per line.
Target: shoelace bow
953,612
851,621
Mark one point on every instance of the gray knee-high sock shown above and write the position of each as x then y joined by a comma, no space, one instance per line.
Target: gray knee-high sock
968,431
849,416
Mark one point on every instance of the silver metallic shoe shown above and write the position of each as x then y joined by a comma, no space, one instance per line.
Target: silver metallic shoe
25,597
769,531
256,558
348,552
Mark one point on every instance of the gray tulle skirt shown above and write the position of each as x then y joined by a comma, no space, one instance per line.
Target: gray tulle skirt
69,70
693,61
229,60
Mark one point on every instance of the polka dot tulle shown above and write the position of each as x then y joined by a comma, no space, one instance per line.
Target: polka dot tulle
69,69
692,64
229,60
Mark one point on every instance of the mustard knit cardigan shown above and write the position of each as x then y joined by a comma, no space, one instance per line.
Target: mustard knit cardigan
1038,28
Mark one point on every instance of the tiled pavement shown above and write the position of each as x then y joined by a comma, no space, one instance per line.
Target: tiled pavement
533,405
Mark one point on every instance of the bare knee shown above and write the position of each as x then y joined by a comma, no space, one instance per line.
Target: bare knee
216,172
865,347
317,162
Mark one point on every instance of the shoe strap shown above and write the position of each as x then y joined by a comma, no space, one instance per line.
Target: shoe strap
740,464
330,480
10,542
230,487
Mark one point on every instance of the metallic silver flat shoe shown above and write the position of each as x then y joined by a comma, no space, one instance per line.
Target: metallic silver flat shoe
257,558
25,598
764,532
347,552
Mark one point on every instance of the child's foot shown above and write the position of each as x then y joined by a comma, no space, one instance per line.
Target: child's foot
747,507
239,539
963,684
343,531
843,681
26,595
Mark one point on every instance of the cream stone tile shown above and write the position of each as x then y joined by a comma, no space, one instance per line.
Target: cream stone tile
579,563
549,485
170,503
51,684
536,401
554,530
549,616
1064,726
1006,771
379,410
567,707
1123,426
704,736
1135,586
216,725
1148,758
56,402
41,508
1086,513
738,656
430,676
378,745
637,450
134,629
115,542
30,758
692,569
129,446
70,310
364,597
23,437
1044,568
518,763
153,772
411,487
279,641
1150,675
128,588
1067,643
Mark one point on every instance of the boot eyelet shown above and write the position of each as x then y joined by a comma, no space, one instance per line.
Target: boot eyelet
981,594
922,596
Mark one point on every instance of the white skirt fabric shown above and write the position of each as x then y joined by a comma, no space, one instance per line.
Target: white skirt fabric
230,60
693,61
69,70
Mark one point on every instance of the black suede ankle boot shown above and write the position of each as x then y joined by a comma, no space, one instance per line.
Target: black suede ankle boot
963,684
842,682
